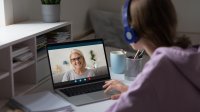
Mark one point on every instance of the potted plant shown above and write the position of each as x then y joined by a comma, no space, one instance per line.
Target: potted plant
51,10
93,59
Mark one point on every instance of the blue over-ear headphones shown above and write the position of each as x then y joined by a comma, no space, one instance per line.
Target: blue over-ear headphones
130,34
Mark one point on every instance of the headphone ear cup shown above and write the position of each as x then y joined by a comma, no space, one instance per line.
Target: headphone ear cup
130,34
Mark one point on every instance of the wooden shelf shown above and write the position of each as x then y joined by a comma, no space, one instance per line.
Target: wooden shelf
23,65
3,75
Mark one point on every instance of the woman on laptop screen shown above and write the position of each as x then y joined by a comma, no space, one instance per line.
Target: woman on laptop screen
79,69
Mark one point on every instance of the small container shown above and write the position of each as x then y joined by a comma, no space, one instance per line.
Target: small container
117,62
51,13
133,68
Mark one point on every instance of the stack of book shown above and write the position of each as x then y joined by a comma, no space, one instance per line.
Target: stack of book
41,42
52,37
45,101
57,37
21,54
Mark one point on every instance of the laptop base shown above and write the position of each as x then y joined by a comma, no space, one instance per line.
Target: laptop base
88,98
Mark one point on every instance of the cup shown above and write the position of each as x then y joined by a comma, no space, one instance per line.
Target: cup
133,68
117,62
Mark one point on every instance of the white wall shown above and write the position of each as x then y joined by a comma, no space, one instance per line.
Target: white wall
2,14
76,12
21,10
188,18
110,5
188,15
187,11
6,12
71,10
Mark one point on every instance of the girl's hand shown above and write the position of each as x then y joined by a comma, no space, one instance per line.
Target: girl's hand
115,85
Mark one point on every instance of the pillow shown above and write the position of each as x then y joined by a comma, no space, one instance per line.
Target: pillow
108,26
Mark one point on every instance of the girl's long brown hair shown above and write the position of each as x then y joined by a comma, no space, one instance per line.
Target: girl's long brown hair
156,21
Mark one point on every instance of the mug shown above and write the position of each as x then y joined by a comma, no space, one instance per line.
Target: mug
117,62
133,68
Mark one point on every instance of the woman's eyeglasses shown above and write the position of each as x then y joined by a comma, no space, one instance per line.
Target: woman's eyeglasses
76,59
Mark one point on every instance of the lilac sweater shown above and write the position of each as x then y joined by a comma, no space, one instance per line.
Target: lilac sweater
169,82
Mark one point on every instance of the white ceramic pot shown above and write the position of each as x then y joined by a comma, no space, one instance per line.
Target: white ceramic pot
51,13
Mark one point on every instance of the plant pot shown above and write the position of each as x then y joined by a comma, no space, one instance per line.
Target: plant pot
51,13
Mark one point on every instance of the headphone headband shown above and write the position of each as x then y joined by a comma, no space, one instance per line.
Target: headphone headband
130,34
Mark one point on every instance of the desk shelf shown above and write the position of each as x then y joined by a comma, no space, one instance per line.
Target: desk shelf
41,54
22,88
3,75
23,66
6,92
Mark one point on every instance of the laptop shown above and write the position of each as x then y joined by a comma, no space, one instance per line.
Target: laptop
84,89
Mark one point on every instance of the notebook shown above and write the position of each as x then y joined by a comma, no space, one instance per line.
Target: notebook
45,101
79,69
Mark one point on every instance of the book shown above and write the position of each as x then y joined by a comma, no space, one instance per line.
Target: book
23,57
41,102
20,50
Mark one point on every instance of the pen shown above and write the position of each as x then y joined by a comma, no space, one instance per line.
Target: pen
136,55
141,54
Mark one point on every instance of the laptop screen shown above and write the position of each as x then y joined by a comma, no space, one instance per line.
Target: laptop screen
77,62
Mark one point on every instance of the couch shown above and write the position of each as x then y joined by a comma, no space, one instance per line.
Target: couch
108,26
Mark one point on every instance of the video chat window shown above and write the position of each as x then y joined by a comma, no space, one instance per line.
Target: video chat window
74,63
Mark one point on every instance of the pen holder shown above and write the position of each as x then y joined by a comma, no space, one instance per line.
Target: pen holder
133,68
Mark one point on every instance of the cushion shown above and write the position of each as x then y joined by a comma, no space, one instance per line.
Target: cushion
108,26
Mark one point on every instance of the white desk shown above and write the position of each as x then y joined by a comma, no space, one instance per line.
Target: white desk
94,107
103,105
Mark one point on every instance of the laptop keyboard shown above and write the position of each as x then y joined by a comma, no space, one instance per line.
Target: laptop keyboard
83,89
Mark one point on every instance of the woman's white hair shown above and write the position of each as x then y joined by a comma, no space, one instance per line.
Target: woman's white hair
76,51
